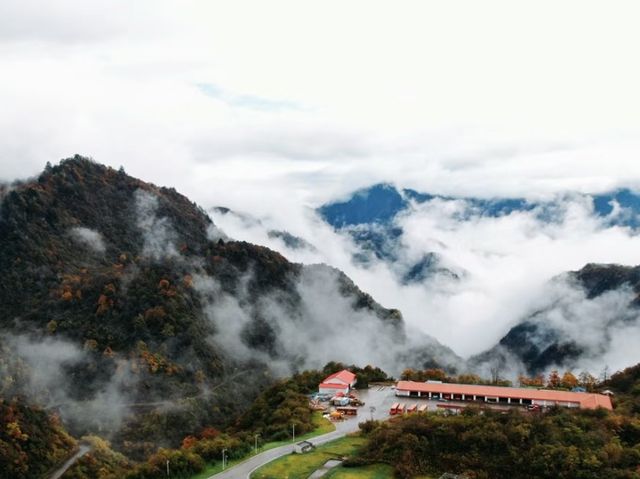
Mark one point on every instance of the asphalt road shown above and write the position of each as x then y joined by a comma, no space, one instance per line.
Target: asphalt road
82,450
380,399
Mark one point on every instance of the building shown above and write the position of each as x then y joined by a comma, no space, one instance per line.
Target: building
502,395
340,382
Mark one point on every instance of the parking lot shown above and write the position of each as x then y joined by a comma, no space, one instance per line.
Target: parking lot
382,398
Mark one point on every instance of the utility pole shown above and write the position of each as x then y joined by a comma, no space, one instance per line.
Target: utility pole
294,432
224,457
256,442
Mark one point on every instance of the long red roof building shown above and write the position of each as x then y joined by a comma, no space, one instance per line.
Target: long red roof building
503,395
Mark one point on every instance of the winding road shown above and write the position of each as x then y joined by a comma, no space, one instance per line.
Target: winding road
380,399
82,450
245,469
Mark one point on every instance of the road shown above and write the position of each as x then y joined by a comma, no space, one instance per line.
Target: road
84,448
380,399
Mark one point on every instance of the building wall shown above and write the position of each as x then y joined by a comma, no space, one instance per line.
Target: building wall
334,391
488,399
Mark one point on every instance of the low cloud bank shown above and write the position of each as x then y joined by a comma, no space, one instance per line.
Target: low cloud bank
508,263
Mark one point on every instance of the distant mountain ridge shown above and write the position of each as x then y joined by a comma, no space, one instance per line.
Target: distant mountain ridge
382,202
540,341
369,216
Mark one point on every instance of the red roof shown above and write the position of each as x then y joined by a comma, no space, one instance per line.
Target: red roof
346,376
586,400
333,386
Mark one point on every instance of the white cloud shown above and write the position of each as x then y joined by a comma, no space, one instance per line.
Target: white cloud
458,96
156,230
461,98
90,238
507,263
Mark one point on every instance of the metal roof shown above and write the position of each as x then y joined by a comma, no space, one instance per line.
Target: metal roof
347,376
586,400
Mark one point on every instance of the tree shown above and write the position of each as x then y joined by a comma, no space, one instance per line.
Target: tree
568,380
554,379
587,380
435,374
496,369
469,379
408,374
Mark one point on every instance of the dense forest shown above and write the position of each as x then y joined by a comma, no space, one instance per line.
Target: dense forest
113,293
562,443
32,442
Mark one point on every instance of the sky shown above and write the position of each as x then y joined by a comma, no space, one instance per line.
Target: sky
276,107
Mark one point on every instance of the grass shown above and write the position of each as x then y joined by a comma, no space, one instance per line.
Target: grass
300,466
374,471
322,427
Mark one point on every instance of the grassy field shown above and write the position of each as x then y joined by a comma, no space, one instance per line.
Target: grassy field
322,427
300,466
375,471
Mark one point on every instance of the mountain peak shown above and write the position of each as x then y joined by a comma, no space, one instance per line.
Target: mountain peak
376,204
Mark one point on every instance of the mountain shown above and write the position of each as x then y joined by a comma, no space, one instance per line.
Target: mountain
289,240
382,203
372,217
377,204
584,312
369,216
123,309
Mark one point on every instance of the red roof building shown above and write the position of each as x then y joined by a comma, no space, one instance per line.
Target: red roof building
341,381
502,395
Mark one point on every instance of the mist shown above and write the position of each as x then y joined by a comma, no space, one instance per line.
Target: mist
319,325
46,370
158,234
505,265
89,238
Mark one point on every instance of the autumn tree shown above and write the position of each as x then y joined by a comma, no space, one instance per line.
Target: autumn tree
568,380
554,379
408,375
587,380
435,374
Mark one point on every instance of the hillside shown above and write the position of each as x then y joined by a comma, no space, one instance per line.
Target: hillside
32,443
576,324
118,310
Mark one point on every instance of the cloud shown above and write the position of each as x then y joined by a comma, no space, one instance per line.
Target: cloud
66,21
157,231
51,380
90,238
508,263
318,324
472,105
245,101
122,86
599,328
